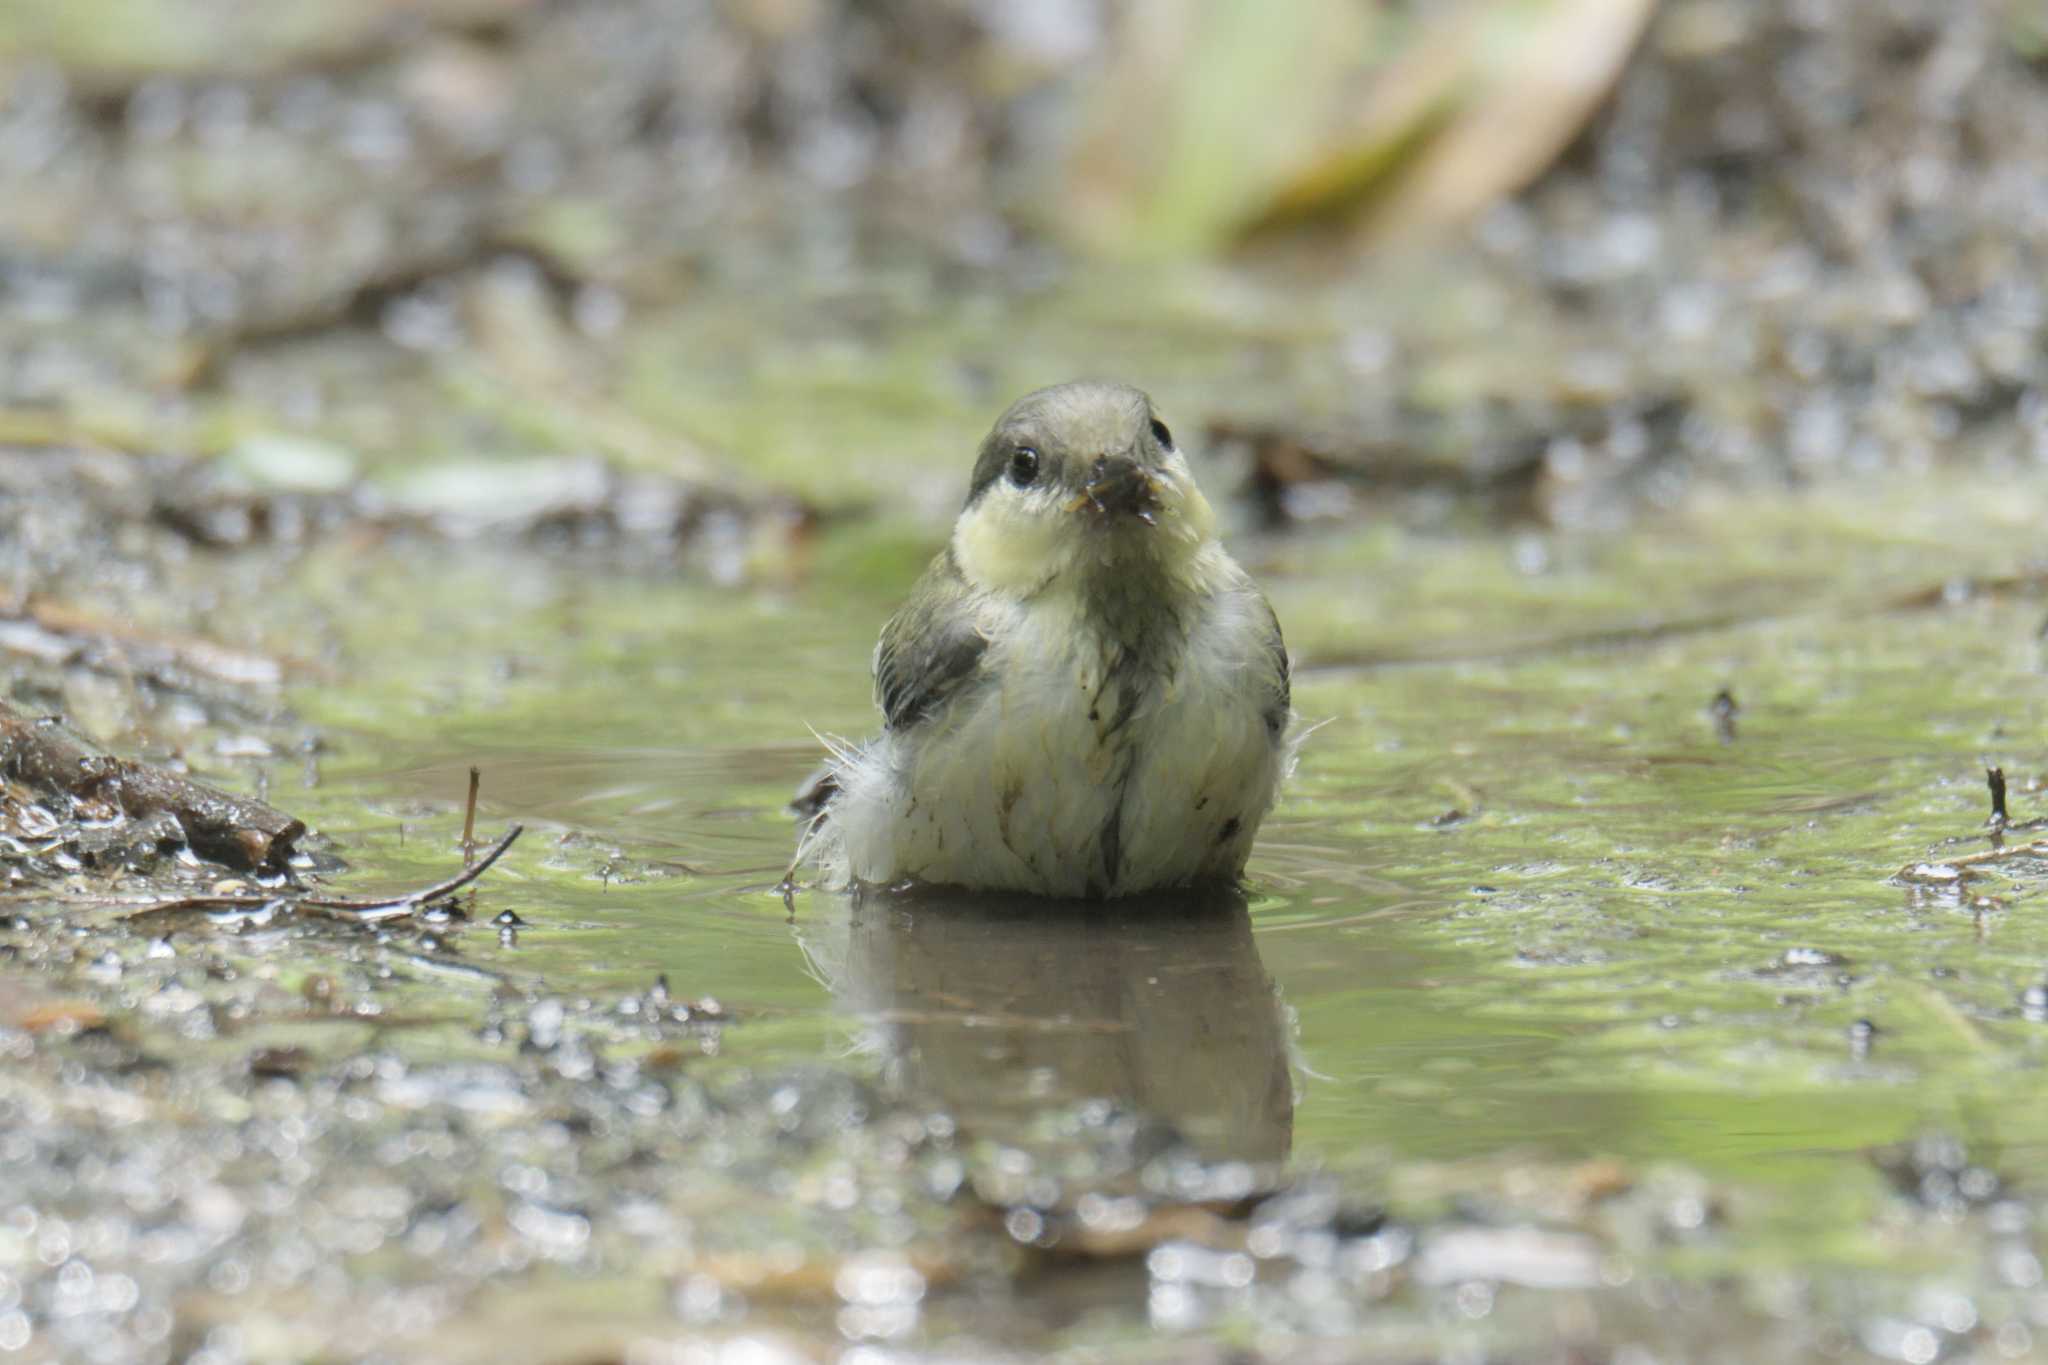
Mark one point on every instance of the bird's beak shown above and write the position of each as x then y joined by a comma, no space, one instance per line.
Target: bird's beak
1119,486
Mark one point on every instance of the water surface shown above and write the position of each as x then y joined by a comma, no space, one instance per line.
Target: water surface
1525,901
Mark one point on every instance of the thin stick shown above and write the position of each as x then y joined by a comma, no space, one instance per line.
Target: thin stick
2038,848
426,895
378,908
476,779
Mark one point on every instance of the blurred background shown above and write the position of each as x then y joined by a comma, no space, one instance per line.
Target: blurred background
1552,259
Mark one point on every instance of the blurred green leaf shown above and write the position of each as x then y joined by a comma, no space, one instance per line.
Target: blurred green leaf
1477,110
107,44
1229,122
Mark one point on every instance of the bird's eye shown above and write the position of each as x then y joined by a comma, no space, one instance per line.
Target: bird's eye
1161,434
1023,466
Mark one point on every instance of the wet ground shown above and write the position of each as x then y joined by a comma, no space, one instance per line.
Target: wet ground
1629,974
1562,1011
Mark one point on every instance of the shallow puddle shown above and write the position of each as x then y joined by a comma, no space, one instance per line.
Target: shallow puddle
1529,904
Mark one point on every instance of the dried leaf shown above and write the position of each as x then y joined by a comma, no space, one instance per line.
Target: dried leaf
62,1016
1476,110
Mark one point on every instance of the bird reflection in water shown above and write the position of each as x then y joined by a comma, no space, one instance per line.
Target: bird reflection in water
997,1007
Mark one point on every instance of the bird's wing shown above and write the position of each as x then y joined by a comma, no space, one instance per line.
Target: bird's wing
1279,707
929,648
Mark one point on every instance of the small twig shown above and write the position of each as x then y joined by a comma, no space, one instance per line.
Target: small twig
373,909
451,967
426,895
1456,651
476,778
2037,848
1997,825
1466,795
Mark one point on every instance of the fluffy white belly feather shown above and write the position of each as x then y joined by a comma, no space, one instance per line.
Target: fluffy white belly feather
1032,782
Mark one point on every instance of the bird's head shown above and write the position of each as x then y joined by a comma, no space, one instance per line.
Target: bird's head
1078,479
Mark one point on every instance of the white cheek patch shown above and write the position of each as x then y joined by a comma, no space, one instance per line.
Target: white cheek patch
1187,512
1011,540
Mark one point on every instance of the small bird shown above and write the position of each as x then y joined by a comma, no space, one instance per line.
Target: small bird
1084,697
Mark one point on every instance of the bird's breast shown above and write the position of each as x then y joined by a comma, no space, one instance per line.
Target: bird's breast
1082,757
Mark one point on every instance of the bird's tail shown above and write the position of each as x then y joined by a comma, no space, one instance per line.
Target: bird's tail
812,806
